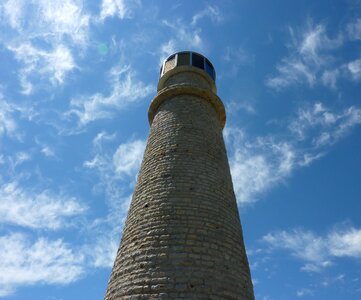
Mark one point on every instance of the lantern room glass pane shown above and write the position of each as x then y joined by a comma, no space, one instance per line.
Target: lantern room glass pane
209,69
170,64
197,61
183,59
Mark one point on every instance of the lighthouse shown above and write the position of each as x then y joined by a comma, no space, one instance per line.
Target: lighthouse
183,238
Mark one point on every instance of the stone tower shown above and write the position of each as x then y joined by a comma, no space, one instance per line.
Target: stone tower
183,237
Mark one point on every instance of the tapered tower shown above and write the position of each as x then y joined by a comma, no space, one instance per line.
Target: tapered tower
183,237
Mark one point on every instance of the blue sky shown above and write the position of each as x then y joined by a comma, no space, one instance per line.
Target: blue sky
76,80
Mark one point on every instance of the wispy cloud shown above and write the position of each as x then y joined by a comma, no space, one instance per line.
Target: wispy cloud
102,137
186,36
167,49
310,57
50,20
234,58
117,173
304,292
314,42
354,29
128,157
20,157
258,164
27,262
345,243
124,162
47,151
8,124
354,69
46,33
210,11
324,125
292,71
330,77
117,8
125,89
235,106
27,208
118,167
103,249
318,252
304,245
11,115
13,13
53,64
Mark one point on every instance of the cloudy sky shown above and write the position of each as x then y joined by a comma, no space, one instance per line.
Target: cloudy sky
76,80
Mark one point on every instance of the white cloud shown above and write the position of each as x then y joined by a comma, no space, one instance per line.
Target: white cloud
50,20
47,33
354,68
302,244
317,251
126,89
122,164
101,137
167,49
64,18
118,8
53,64
304,292
13,12
23,262
210,11
116,169
315,41
8,125
47,151
332,280
11,115
128,157
234,58
110,8
329,78
185,36
324,125
117,172
310,55
36,210
260,163
316,266
234,107
103,249
21,157
292,71
346,243
354,30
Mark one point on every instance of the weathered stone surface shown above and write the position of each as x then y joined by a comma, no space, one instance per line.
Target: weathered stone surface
183,238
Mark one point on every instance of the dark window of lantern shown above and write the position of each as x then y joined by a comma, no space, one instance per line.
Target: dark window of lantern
183,59
197,61
209,69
